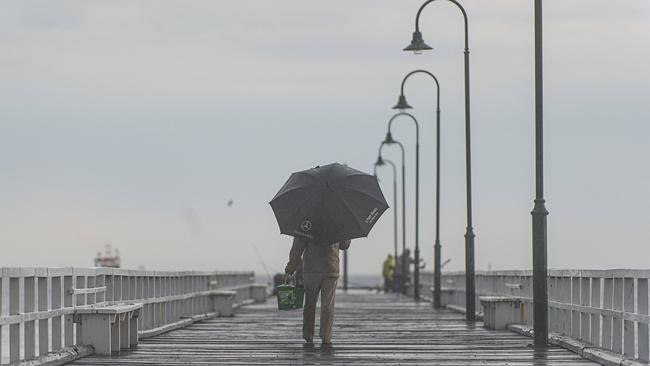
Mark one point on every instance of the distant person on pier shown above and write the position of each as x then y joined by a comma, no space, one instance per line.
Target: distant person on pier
402,277
387,273
321,273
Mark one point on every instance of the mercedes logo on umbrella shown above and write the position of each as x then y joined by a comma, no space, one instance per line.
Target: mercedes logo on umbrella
306,225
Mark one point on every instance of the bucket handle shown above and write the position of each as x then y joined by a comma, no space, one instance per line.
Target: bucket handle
287,276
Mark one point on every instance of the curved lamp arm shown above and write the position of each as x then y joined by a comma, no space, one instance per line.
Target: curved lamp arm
390,162
395,142
462,10
417,126
423,72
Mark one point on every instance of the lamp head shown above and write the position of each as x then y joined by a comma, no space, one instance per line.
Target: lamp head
389,139
401,103
417,44
380,161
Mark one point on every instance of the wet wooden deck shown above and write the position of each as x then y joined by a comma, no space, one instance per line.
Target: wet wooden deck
370,329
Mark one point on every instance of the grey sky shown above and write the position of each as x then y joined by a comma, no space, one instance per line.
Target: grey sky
134,123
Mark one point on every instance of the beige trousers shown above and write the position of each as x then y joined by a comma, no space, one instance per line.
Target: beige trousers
325,284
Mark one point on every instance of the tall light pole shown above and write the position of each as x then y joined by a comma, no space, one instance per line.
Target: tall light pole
403,105
345,270
539,213
416,254
403,279
418,45
382,162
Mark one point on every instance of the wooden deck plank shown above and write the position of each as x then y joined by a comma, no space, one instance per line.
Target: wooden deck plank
370,329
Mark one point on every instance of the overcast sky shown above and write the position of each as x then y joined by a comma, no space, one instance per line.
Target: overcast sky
135,122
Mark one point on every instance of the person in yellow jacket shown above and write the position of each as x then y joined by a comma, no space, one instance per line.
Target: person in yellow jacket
387,273
321,273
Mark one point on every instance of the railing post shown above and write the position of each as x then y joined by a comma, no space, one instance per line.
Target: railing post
141,295
14,309
595,318
617,324
191,290
177,291
29,326
57,335
133,286
165,292
608,294
153,290
68,302
585,287
133,322
180,284
80,300
43,331
151,294
195,287
554,313
125,323
629,334
146,310
126,285
157,306
575,300
172,292
565,298
117,287
91,282
644,334
100,281
110,288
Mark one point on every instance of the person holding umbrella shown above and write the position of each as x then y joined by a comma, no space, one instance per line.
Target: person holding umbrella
323,208
321,273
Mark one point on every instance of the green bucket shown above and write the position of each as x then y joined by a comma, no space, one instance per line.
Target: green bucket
289,296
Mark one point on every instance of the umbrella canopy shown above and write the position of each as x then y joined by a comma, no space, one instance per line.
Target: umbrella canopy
328,204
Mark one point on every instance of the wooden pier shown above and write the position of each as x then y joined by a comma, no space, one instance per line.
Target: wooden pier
370,329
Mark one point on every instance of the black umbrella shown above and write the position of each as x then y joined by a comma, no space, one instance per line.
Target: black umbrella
328,204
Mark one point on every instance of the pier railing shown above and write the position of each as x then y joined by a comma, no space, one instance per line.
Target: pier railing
38,305
605,308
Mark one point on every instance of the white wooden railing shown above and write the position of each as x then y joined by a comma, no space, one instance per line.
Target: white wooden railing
38,305
605,308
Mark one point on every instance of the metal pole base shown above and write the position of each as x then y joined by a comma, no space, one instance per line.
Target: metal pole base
470,291
416,275
437,276
540,273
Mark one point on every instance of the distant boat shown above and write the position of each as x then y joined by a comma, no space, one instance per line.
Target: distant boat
110,258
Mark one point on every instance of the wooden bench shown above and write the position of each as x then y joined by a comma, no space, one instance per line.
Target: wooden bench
109,328
501,311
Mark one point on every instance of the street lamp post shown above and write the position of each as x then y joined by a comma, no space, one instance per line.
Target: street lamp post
403,279
403,105
345,270
416,254
381,162
539,213
417,46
